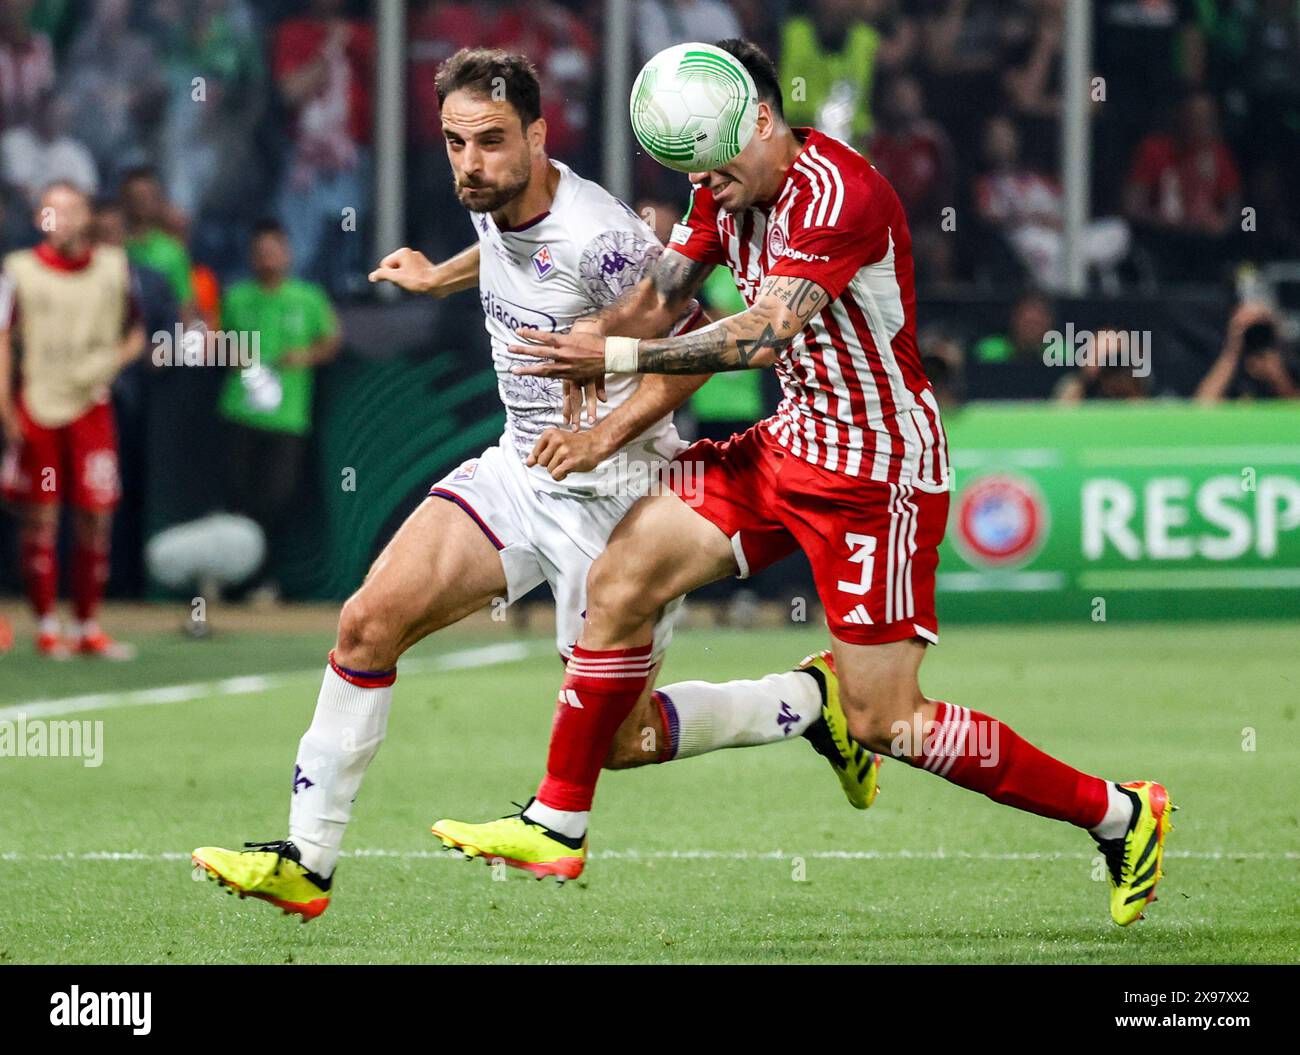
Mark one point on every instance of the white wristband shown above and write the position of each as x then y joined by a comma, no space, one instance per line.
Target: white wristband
621,355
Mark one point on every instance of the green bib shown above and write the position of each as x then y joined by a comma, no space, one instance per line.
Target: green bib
271,322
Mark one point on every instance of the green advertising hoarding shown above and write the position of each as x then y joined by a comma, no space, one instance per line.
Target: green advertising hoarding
1122,512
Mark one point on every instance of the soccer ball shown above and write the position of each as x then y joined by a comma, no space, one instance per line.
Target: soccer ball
693,107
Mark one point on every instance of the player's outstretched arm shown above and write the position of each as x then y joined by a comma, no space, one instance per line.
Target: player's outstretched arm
751,339
414,272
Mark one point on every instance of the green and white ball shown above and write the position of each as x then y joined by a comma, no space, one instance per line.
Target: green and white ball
693,107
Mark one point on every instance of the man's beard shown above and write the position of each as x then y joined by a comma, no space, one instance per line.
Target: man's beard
497,197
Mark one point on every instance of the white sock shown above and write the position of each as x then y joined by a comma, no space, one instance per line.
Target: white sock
87,628
704,716
1119,811
49,624
345,732
572,823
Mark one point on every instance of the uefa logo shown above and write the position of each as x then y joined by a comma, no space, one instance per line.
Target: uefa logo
1001,521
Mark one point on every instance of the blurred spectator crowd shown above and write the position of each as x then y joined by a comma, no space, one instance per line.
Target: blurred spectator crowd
246,111
1196,113
228,145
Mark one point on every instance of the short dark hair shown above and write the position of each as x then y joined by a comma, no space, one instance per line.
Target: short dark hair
268,226
761,69
489,72
137,172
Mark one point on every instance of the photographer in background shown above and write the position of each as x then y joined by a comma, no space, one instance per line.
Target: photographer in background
1255,362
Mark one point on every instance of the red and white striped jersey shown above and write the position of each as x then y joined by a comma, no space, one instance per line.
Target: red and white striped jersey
857,400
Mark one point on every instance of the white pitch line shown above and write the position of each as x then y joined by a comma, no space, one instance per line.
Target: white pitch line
635,856
507,652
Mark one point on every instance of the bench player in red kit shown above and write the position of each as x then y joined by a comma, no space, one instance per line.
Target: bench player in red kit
68,326
852,469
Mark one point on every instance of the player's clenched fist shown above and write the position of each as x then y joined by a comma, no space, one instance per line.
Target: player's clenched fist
408,268
561,453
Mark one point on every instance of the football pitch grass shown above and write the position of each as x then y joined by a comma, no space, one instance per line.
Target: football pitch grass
743,856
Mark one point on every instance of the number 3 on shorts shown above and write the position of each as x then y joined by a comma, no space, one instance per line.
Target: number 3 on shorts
862,550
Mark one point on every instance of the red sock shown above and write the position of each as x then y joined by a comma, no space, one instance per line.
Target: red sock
600,690
89,575
981,753
40,569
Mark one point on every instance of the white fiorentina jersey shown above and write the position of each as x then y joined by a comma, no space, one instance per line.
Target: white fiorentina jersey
566,263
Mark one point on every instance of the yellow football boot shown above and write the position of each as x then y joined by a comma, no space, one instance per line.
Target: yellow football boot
857,768
519,843
269,871
1135,860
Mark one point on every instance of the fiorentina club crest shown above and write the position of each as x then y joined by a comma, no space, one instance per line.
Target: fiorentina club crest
300,781
1001,521
542,262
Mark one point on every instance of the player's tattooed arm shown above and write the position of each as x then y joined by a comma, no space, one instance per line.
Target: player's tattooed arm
753,338
655,304
637,295
676,278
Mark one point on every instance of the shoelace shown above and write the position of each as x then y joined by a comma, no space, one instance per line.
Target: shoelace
548,832
282,848
520,807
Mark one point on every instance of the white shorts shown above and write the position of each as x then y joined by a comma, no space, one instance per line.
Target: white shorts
542,536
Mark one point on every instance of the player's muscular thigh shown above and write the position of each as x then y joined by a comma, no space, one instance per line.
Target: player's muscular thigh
661,550
436,570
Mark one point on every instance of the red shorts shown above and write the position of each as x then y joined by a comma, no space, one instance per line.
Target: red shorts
873,546
75,463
